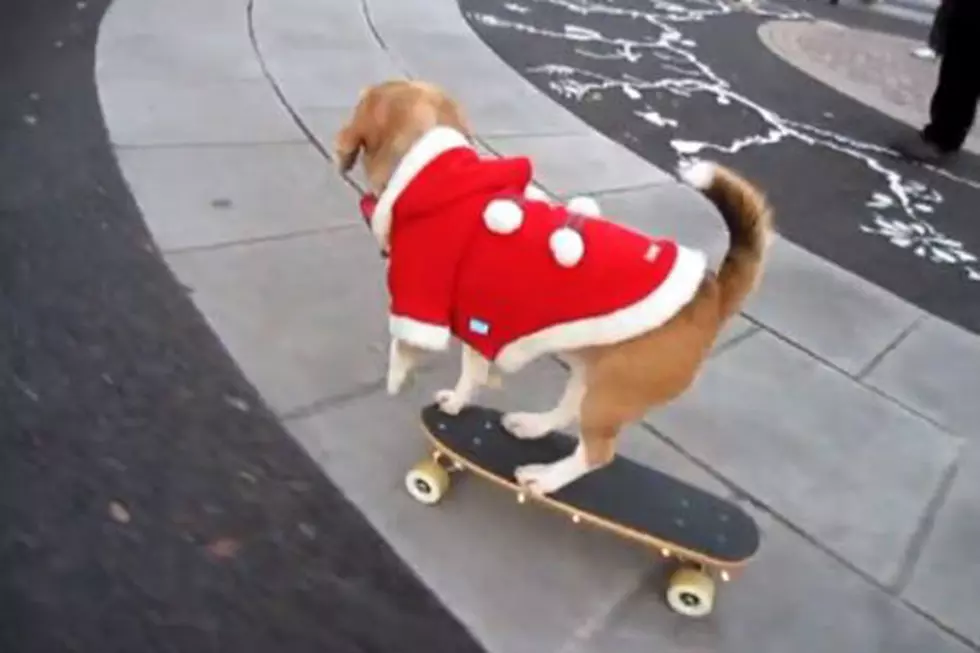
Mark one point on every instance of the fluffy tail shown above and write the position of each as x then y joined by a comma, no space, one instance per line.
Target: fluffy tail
749,219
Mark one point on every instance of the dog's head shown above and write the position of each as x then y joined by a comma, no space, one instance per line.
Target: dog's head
387,120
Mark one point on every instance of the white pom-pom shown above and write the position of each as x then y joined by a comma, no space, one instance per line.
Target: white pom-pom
584,206
567,246
503,216
536,194
700,174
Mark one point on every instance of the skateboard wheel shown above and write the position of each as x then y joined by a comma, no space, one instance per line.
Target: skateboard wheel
691,592
427,482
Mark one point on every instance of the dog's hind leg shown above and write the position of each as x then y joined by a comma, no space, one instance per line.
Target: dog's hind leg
596,448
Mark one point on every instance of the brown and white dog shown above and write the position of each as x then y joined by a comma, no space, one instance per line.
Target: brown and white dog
641,334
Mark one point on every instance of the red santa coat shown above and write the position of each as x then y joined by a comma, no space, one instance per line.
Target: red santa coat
475,253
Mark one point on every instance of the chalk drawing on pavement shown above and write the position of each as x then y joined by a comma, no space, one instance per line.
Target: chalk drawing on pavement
898,210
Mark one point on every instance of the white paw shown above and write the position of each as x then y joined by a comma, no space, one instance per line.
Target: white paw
450,402
540,479
527,426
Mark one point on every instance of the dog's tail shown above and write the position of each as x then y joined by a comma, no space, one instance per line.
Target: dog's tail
748,217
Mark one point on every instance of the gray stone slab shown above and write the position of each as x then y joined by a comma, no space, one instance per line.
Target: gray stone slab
580,164
849,467
199,52
147,17
394,18
946,582
309,23
226,193
512,108
672,210
521,577
312,75
791,598
165,112
826,310
495,97
471,58
305,318
935,371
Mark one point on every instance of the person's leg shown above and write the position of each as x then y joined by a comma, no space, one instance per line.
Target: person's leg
954,101
937,33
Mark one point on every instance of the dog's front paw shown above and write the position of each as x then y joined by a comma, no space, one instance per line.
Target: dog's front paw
540,479
527,426
450,402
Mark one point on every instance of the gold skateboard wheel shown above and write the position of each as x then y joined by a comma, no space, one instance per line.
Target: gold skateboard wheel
427,482
691,592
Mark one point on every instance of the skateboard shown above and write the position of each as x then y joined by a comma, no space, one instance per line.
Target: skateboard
706,535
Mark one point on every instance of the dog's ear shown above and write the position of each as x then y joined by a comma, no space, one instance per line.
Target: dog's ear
350,140
347,145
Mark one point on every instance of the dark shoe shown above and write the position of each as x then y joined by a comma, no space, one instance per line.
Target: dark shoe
919,149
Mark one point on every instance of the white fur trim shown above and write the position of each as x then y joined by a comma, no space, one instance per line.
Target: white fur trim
436,141
699,174
584,206
650,312
420,334
535,193
503,216
567,246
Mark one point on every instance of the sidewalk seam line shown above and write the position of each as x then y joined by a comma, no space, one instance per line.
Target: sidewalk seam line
779,518
924,528
120,147
880,356
735,340
257,240
601,617
332,401
360,391
828,364
271,80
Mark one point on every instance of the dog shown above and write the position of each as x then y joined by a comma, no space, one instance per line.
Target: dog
477,252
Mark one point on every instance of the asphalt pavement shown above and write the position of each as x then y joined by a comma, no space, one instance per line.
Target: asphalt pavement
154,502
692,79
149,501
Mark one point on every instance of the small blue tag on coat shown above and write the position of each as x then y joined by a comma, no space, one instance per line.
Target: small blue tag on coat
479,326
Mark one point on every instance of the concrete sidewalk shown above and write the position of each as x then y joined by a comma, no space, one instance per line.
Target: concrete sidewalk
842,412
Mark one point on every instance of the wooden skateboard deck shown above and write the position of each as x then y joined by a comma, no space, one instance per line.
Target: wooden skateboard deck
632,500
